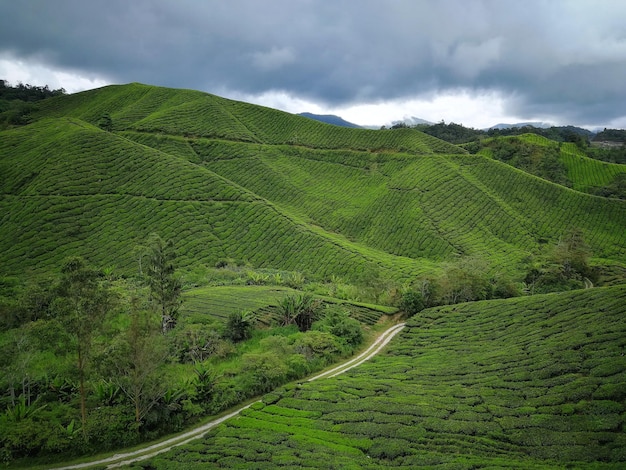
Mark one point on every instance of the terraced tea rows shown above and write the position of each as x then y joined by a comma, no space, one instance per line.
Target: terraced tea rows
195,114
526,383
430,206
220,301
339,201
40,231
547,211
71,158
587,173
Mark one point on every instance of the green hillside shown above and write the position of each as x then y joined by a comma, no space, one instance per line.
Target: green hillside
536,382
561,162
195,114
227,179
270,213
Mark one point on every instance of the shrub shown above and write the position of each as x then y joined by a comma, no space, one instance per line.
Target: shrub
411,303
317,344
239,326
264,371
337,322
301,310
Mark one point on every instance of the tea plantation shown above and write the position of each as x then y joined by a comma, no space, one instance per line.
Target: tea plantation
263,209
232,180
535,382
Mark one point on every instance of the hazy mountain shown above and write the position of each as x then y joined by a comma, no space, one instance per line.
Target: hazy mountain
330,119
543,125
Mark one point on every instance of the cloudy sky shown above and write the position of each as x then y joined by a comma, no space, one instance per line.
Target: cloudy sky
475,62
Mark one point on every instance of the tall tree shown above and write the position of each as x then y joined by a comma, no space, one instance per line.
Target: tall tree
83,303
136,358
165,286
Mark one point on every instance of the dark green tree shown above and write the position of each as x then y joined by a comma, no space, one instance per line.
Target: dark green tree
165,286
411,302
572,253
82,303
135,360
106,123
239,326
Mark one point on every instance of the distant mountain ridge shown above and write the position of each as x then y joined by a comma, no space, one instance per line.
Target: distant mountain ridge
330,119
539,124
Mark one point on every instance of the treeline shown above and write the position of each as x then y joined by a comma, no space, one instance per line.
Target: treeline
458,134
564,267
611,135
17,102
539,160
26,92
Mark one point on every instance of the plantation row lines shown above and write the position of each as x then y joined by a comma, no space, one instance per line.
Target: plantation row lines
42,231
450,207
551,211
220,301
195,114
587,173
93,162
548,391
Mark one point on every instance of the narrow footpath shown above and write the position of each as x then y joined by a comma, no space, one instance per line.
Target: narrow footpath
149,451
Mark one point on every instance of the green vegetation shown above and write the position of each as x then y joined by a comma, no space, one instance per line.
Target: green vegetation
92,367
533,382
293,239
564,163
18,102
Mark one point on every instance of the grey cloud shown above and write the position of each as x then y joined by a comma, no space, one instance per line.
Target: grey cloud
566,58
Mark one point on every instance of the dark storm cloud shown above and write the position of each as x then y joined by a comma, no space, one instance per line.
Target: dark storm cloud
565,59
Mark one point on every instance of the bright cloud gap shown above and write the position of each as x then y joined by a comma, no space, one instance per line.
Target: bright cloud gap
478,109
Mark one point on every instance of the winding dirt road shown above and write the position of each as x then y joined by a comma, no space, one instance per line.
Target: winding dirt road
147,452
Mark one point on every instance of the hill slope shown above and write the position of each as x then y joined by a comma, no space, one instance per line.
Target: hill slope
534,382
233,180
563,163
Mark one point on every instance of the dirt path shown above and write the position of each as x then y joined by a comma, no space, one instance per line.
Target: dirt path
147,452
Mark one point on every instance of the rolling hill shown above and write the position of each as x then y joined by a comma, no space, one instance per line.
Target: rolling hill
535,382
227,179
560,162
530,382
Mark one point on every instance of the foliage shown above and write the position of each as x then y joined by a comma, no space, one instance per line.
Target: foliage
17,102
239,326
105,123
135,359
451,132
165,286
336,321
349,212
26,92
301,310
82,304
196,342
411,303
612,135
542,161
282,203
567,266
